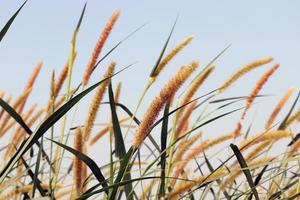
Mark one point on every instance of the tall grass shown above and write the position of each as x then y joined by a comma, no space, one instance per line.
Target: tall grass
163,155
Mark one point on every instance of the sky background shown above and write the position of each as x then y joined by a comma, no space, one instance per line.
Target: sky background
255,29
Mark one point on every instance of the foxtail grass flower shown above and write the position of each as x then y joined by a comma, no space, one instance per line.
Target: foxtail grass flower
98,47
157,104
243,70
279,106
258,86
171,55
261,137
78,145
94,106
196,83
30,84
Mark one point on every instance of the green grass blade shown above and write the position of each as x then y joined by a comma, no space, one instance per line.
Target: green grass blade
10,21
36,171
88,161
119,141
163,139
245,169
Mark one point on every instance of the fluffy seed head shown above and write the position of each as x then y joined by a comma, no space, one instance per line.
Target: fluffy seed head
243,70
94,106
157,104
98,47
279,106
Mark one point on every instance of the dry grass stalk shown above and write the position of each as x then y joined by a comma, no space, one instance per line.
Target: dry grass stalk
62,77
30,84
258,149
157,104
77,176
238,171
98,47
243,70
191,155
94,106
271,135
279,106
183,147
196,83
171,55
184,186
147,189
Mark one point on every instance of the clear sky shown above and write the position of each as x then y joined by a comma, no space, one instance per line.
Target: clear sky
43,30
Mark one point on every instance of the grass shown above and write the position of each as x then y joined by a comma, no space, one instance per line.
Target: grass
183,162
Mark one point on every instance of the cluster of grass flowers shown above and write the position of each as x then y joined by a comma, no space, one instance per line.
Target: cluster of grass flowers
165,154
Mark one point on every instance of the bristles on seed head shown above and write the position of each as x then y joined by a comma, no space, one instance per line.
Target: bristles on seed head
197,82
279,106
94,107
257,87
98,47
157,104
78,145
243,70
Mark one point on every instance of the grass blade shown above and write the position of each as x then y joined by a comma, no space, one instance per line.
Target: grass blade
88,161
163,138
119,141
9,22
245,169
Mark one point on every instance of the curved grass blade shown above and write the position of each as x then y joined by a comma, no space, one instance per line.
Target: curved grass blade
10,21
245,169
88,161
163,139
37,167
119,141
52,119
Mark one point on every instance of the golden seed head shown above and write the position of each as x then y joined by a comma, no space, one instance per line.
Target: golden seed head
157,104
98,47
94,106
243,70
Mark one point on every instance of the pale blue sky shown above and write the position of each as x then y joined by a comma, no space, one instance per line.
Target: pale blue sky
43,29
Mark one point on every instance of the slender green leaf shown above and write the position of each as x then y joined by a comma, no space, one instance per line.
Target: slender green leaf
245,169
163,139
9,22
